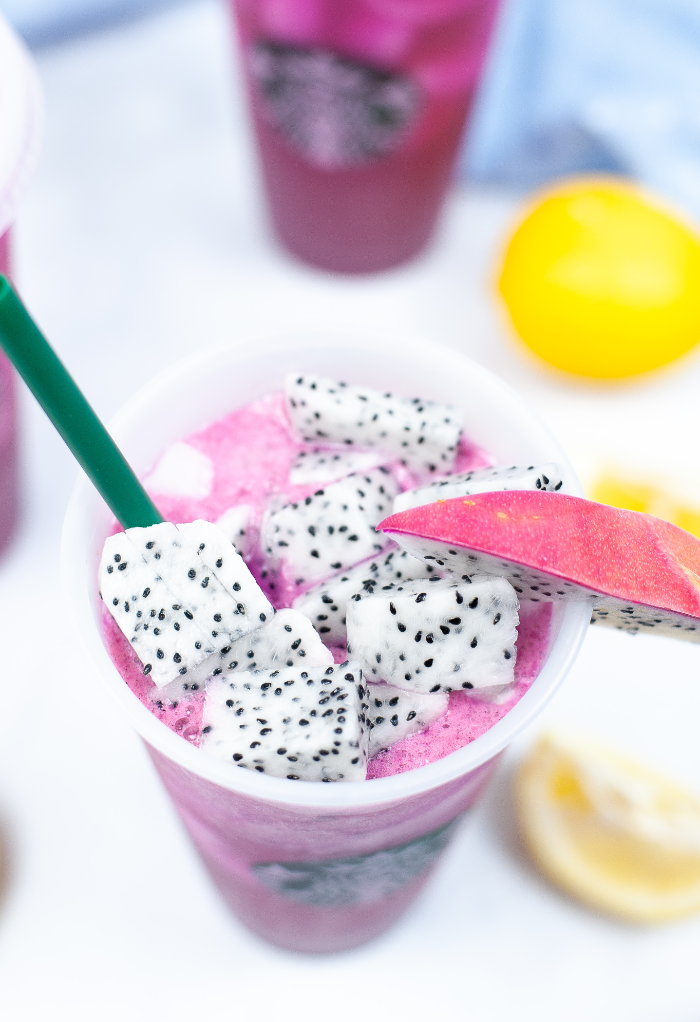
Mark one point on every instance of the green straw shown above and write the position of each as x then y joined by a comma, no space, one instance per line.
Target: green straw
56,391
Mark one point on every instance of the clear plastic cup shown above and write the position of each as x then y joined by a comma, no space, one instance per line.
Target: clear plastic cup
359,108
314,867
20,132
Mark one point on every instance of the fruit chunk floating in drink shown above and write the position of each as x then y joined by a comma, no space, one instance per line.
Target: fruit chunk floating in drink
374,662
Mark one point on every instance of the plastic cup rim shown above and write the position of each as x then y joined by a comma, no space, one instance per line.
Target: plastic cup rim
575,616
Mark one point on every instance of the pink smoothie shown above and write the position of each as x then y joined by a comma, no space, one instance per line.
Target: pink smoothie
251,451
359,108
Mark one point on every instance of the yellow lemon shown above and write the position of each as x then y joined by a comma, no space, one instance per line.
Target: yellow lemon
650,497
610,831
601,280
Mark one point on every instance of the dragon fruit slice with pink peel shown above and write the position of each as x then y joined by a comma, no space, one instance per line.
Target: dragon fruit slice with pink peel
302,724
482,480
394,714
236,525
642,573
325,605
323,465
163,632
423,435
436,636
329,530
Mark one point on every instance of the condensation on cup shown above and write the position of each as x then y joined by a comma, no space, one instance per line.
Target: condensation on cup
21,119
314,867
359,108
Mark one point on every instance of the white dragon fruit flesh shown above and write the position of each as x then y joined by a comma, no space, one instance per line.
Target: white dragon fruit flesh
325,604
482,480
394,714
322,465
288,640
236,525
204,572
305,725
164,635
423,435
329,530
436,636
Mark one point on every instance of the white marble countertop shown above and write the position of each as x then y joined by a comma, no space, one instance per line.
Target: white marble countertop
141,240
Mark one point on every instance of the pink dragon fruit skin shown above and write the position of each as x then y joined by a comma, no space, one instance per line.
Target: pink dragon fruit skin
641,572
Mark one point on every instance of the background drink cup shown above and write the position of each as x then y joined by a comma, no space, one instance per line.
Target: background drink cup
20,134
314,867
359,108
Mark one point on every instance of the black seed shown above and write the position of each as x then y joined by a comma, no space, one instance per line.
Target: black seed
237,756
428,663
191,573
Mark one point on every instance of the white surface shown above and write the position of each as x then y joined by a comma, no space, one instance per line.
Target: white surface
142,234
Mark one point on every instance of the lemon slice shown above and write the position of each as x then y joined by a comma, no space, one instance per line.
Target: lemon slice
608,830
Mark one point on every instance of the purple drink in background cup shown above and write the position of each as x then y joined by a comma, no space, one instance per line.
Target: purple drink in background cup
20,130
309,866
359,108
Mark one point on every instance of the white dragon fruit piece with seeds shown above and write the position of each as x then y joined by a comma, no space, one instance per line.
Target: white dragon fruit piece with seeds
225,599
482,480
329,530
394,714
236,523
326,603
439,636
321,465
288,640
164,635
293,722
423,435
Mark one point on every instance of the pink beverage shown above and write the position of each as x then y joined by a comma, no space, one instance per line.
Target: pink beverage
359,109
315,867
20,129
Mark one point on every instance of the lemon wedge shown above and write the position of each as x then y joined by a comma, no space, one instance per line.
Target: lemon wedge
610,831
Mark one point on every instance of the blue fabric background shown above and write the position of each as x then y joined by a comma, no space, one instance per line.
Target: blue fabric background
610,85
